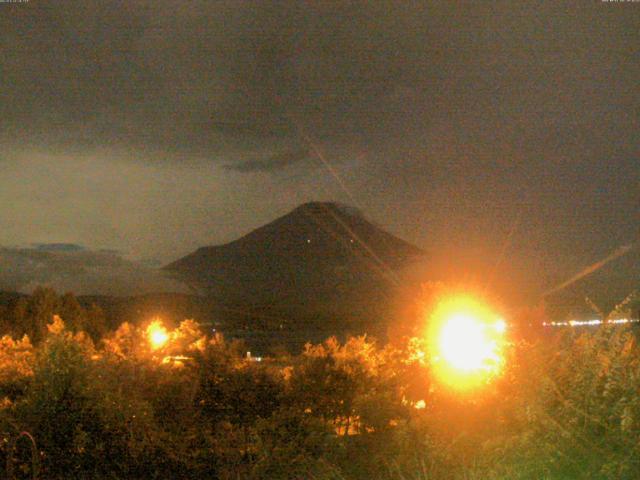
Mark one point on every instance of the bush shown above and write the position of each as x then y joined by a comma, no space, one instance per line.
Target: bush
565,407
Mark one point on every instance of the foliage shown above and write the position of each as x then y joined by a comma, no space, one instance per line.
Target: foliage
16,366
295,445
31,314
576,411
197,407
80,425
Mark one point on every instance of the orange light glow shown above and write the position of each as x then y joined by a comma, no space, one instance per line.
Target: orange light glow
157,334
467,340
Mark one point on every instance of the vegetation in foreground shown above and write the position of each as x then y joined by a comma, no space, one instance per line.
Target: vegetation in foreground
146,402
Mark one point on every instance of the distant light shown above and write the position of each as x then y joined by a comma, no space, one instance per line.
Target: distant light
500,326
467,340
176,359
591,322
464,343
157,334
623,320
253,359
420,404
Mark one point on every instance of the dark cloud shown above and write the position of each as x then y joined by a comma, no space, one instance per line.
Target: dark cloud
81,271
271,163
58,247
214,77
446,121
220,79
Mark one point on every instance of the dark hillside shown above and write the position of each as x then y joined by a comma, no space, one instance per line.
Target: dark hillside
319,262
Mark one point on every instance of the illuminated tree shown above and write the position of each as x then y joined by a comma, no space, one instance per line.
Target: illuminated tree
32,314
16,366
81,427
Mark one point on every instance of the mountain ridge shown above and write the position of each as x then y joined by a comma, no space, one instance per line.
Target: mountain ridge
322,259
339,230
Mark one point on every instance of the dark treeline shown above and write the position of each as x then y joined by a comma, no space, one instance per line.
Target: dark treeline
29,314
264,329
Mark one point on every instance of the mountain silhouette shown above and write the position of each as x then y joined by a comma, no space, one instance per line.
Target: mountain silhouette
320,259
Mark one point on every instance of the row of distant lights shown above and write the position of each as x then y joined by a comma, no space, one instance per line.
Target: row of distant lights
309,240
581,323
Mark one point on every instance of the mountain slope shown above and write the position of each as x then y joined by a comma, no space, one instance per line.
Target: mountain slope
319,256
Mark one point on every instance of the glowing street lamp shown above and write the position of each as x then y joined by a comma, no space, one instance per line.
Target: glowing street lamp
157,334
466,340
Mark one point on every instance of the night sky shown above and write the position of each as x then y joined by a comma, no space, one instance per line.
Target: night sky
500,136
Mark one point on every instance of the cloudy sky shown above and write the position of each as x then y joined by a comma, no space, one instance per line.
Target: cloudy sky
500,136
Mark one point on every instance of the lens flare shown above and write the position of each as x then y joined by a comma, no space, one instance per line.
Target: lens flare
467,341
157,334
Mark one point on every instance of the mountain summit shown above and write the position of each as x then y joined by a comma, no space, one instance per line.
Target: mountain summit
315,246
320,256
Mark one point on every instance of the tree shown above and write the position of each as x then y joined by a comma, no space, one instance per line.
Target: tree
239,393
33,313
82,428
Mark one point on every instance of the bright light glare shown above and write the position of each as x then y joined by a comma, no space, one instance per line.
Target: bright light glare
467,341
500,326
157,334
464,343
